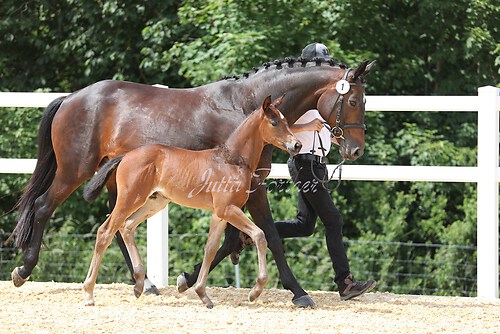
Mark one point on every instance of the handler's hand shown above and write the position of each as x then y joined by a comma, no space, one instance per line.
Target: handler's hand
314,125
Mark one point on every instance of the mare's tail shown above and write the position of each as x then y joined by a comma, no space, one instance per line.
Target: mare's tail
98,181
40,180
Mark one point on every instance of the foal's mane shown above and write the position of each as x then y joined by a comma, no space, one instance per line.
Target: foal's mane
288,62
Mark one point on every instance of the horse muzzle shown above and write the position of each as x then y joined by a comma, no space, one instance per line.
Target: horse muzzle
351,152
293,147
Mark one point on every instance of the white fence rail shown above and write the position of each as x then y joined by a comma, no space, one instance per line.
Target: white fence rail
486,174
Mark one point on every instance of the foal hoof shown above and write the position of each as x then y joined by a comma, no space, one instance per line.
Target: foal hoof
89,298
303,301
137,292
90,303
254,294
251,297
182,283
138,288
17,279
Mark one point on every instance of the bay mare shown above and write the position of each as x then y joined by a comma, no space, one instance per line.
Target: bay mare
80,132
151,176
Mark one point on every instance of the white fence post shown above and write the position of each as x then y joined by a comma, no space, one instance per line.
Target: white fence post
157,248
487,192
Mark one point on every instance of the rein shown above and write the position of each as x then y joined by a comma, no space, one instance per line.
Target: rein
339,166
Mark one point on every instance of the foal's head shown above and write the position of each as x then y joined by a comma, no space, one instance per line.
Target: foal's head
274,127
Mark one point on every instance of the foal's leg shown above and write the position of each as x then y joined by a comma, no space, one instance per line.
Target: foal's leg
128,202
112,195
236,217
104,237
151,207
258,207
186,280
217,227
138,271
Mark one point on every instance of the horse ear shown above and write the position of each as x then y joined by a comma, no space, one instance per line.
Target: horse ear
360,70
363,69
266,103
368,68
279,101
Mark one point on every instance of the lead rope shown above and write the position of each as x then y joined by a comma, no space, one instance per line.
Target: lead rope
327,179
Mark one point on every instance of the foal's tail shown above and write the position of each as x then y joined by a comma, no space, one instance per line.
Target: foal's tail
98,181
40,180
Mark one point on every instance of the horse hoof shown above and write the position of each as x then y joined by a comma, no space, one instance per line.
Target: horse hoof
254,295
89,300
137,292
138,287
207,302
152,290
90,303
182,284
17,279
303,301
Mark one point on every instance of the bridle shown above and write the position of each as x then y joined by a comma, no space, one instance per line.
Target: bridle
343,87
338,131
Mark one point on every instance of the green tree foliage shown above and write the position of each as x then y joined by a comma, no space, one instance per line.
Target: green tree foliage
66,45
218,38
425,47
422,47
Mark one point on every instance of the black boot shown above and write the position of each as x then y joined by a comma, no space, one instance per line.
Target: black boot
351,288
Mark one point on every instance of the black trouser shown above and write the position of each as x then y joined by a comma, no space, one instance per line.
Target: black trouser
314,200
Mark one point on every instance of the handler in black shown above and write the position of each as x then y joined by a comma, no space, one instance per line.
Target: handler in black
313,198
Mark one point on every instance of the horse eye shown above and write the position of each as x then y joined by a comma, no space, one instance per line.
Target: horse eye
273,122
352,103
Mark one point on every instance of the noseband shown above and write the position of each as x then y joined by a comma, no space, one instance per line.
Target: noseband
338,131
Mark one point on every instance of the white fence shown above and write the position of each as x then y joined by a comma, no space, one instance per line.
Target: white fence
486,174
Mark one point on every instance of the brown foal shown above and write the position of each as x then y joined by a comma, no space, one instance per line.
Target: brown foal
218,179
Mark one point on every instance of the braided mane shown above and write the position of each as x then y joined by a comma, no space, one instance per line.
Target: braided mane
289,62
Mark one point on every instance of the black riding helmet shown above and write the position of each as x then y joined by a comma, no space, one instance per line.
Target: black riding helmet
316,50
